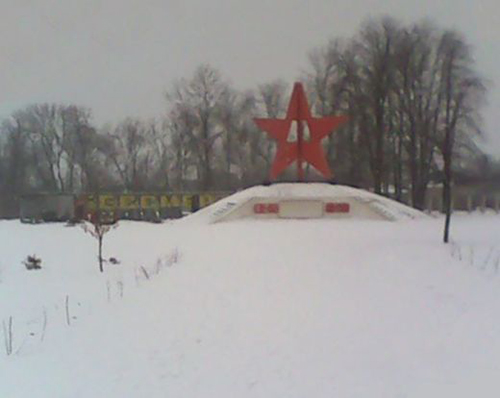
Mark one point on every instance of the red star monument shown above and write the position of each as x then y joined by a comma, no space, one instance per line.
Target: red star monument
299,136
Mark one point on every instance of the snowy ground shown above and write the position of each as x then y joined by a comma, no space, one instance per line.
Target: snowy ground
278,308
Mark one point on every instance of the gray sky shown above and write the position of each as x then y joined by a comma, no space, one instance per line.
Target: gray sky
118,56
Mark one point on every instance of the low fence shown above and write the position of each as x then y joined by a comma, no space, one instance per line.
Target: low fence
9,206
464,200
40,207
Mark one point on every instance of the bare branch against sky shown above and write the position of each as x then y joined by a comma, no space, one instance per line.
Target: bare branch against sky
118,56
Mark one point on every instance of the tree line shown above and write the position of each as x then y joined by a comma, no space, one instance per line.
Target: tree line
411,92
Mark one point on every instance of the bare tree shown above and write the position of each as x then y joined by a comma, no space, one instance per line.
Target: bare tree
15,157
62,144
335,88
97,228
199,99
39,122
463,91
15,165
158,138
181,123
236,111
271,101
131,153
418,103
375,45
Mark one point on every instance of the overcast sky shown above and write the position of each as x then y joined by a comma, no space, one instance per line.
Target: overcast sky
118,56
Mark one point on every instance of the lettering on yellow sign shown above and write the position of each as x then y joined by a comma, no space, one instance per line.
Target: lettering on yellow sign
149,202
91,202
207,199
170,201
107,202
187,202
164,201
129,202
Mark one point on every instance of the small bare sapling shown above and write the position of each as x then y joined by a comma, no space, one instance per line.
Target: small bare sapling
98,228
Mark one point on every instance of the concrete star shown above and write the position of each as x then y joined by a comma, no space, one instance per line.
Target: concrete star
306,149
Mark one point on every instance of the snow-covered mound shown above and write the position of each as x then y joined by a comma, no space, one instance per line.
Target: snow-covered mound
305,200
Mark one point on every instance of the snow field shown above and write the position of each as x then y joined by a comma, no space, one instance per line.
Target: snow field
347,308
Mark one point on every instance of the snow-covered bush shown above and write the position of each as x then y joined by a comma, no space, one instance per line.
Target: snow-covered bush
33,263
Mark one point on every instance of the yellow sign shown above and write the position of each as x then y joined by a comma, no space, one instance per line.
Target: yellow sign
129,202
91,202
206,199
170,201
186,201
149,202
107,202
